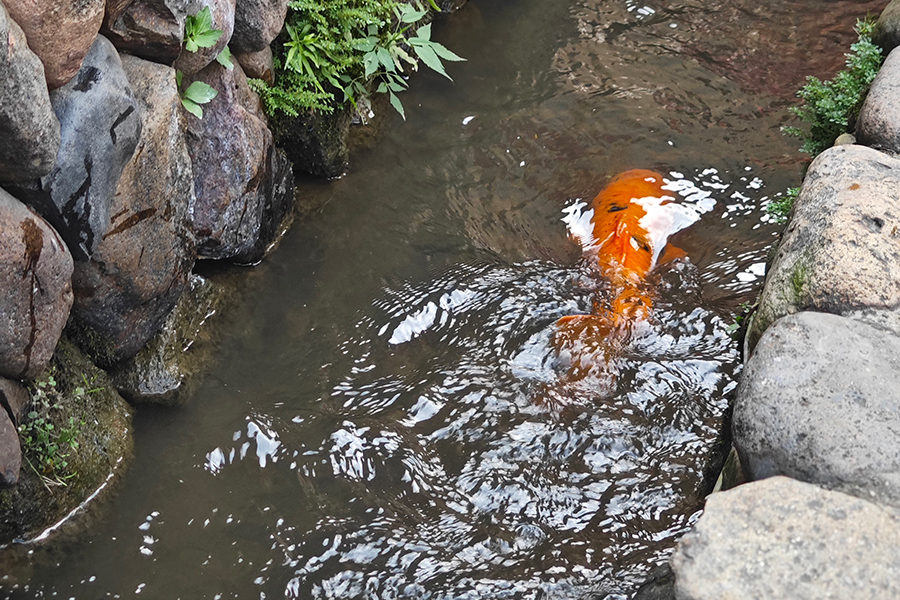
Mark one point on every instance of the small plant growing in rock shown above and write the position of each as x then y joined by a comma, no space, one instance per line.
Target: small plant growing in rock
830,107
779,208
199,33
45,446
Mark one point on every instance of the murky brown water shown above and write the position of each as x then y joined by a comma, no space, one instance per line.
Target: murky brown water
385,420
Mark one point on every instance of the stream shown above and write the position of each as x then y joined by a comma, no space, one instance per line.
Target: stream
386,418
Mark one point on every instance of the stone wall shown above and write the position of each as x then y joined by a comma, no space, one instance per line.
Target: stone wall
816,423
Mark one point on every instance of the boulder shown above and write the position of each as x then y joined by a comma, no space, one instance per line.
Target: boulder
100,127
10,452
841,249
814,404
60,33
316,141
878,124
244,187
257,23
150,29
258,65
141,265
14,398
29,131
781,539
886,32
35,276
173,361
222,12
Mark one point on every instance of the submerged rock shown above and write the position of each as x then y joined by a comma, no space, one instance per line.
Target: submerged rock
314,141
257,23
83,398
173,361
60,33
137,272
35,276
29,130
100,127
814,404
841,249
243,185
878,124
780,539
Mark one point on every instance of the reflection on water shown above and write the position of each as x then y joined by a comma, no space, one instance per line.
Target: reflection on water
387,418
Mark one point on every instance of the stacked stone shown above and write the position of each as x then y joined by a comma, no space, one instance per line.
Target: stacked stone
109,190
817,415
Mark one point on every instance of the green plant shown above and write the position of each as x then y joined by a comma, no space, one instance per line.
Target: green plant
739,318
333,53
830,107
48,438
199,33
779,207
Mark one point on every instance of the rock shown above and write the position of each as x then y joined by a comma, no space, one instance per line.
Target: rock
257,65
35,276
257,23
100,127
243,186
660,585
886,32
315,141
150,29
14,398
844,138
29,131
780,539
222,12
814,404
173,361
84,396
841,249
60,33
878,124
137,272
10,452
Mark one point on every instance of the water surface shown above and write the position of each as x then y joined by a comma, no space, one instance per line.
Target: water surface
387,419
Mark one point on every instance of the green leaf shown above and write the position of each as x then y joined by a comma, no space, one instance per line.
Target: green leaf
412,16
224,58
446,54
207,39
190,45
203,20
424,32
200,92
398,106
431,59
178,76
384,57
192,107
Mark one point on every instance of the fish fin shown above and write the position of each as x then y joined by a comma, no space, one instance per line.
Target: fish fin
670,253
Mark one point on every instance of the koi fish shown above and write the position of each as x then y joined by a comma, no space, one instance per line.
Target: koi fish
631,220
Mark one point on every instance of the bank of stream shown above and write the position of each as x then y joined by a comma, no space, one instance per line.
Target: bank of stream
384,418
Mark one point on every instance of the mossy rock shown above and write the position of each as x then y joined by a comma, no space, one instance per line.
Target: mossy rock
315,141
104,439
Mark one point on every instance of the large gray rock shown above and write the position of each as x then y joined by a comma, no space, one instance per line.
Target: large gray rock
780,539
878,125
100,128
816,403
29,131
60,33
841,249
243,186
10,452
35,276
886,32
137,272
257,23
222,12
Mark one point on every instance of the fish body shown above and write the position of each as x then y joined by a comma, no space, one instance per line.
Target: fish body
632,219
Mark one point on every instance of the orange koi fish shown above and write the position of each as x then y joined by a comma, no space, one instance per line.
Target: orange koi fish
632,219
